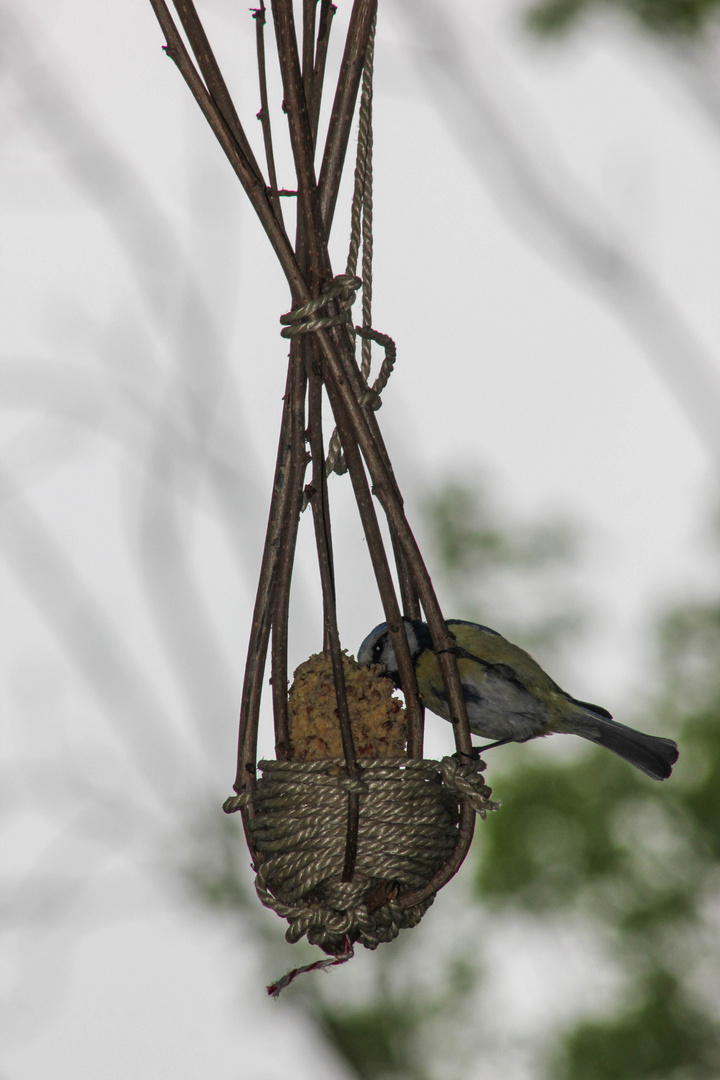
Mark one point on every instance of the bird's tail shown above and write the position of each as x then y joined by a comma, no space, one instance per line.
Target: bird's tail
648,753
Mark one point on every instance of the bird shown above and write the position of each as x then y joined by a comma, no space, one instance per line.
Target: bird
509,698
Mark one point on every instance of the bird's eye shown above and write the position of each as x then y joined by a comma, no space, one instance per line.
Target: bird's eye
378,648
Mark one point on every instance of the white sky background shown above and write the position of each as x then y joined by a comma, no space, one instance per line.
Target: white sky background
142,375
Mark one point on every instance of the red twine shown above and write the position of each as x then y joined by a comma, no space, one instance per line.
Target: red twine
276,988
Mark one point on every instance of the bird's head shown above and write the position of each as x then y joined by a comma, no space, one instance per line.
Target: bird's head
377,648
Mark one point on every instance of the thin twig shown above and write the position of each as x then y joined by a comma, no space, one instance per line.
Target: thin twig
300,137
213,77
408,588
346,379
261,622
308,51
331,637
466,828
260,626
280,601
255,188
264,114
361,20
318,501
327,10
313,258
383,577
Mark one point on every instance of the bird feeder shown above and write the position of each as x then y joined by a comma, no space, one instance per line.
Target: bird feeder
350,830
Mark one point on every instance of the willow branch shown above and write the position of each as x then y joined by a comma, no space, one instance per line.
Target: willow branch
280,601
361,20
308,51
264,114
280,508
327,10
319,502
448,870
408,588
300,137
323,541
213,77
244,167
383,576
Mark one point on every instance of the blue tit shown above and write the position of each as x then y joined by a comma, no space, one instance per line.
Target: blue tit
509,697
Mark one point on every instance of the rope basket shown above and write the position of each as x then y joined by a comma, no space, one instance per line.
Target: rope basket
408,829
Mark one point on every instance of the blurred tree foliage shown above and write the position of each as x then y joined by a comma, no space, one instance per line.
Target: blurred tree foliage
641,860
593,836
516,575
669,18
589,838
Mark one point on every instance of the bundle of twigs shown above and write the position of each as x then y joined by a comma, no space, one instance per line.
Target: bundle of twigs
322,358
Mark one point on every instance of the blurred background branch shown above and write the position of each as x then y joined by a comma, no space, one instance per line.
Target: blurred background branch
506,140
142,378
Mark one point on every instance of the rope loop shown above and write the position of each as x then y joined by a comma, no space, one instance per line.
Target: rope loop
236,802
465,779
335,461
301,321
372,397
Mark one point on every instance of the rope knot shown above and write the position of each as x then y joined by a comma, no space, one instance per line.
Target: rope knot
303,320
371,398
465,779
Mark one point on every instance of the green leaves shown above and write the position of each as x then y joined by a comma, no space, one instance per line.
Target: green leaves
658,1033
515,578
376,1040
553,838
671,18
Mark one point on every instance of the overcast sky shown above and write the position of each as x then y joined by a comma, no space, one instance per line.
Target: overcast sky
143,373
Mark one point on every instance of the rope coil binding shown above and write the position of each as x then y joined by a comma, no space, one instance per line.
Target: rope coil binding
300,320
408,821
303,320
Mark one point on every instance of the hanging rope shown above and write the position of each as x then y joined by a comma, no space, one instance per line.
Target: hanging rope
344,287
361,234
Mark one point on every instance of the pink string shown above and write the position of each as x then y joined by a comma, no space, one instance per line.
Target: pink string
276,988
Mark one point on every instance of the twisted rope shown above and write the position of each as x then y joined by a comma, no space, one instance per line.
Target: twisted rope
361,231
302,320
408,829
236,802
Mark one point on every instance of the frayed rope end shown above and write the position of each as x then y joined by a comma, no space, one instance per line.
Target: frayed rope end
276,988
